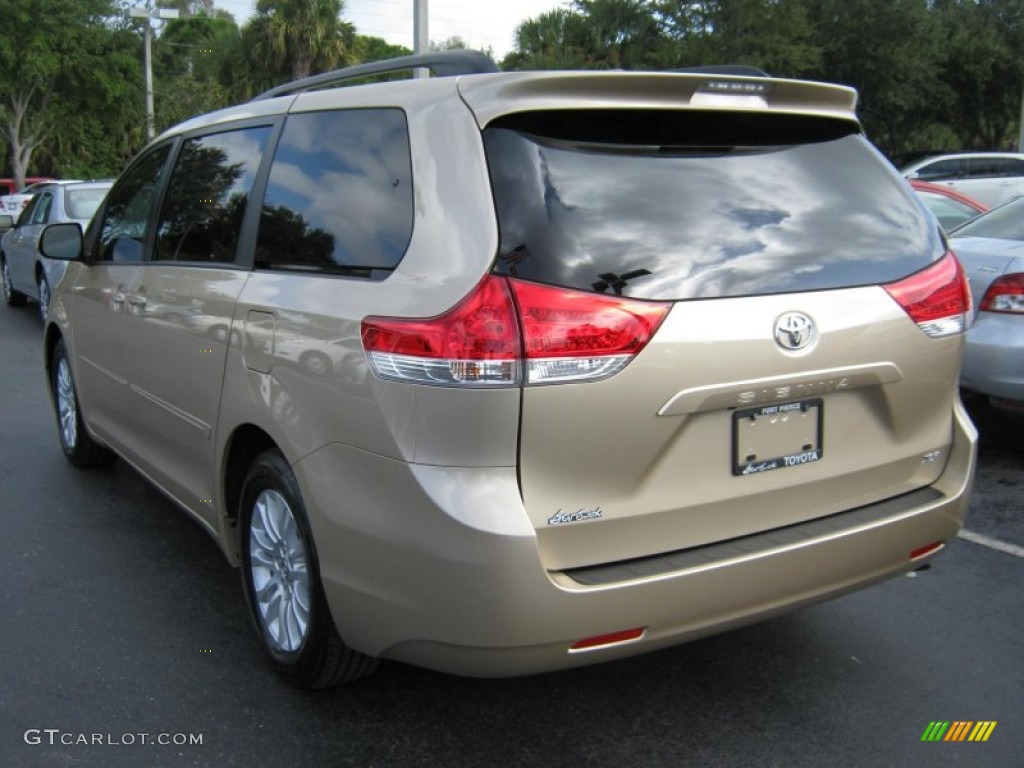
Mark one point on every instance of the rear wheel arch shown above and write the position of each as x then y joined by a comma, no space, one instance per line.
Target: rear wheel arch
247,441
255,472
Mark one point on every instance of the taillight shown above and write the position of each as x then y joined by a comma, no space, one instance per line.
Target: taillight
575,336
475,343
1005,294
542,335
936,298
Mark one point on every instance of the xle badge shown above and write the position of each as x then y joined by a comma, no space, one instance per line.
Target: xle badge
561,517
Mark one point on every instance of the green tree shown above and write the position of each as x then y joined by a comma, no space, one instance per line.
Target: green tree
196,61
97,112
39,41
984,68
452,43
553,40
774,35
891,52
292,39
369,48
590,34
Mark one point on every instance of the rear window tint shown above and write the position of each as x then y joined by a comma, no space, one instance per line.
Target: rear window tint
700,220
942,169
339,197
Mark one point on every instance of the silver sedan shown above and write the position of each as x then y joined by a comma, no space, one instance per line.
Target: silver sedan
24,270
991,249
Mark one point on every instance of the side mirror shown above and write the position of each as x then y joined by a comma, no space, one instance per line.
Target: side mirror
6,223
62,242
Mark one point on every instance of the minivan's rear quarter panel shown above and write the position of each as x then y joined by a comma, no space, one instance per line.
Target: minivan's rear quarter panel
659,466
318,316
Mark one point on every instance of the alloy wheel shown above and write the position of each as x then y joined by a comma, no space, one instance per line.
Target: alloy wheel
279,571
67,409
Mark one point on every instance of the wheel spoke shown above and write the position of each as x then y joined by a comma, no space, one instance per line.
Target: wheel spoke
261,538
276,511
261,558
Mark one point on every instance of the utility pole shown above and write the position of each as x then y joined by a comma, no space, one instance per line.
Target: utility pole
1020,139
145,13
420,33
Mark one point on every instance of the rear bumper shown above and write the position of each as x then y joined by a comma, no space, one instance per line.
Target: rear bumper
439,567
994,356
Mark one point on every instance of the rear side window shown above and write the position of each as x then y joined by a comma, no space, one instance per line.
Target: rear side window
708,212
1013,167
985,168
207,196
43,204
339,196
942,169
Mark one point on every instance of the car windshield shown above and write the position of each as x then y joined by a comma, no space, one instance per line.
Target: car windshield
1004,223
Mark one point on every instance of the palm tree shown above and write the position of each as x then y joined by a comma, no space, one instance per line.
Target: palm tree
299,37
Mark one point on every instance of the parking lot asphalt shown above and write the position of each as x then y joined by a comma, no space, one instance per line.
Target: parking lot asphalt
121,618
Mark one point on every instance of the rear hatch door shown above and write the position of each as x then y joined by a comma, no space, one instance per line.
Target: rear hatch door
785,383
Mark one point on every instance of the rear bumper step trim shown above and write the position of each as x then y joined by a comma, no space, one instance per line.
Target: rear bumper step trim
744,546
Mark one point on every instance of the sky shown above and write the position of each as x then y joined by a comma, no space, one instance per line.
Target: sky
481,23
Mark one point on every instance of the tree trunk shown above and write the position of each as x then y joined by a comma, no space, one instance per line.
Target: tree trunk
21,139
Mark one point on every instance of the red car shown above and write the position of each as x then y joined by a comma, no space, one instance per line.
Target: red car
950,207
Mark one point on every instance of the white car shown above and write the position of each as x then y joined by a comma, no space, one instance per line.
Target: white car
24,271
990,177
12,205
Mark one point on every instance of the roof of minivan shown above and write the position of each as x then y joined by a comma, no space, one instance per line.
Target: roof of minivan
493,95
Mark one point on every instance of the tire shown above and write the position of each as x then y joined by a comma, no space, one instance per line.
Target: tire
12,297
79,447
44,297
281,579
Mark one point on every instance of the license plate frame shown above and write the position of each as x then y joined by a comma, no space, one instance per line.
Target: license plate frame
789,435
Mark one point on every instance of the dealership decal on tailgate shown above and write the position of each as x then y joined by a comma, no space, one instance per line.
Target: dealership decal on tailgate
776,436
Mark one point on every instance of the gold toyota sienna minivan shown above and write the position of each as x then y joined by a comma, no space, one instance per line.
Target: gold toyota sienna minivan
500,373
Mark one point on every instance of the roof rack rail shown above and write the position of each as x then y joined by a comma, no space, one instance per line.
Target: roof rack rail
441,63
740,70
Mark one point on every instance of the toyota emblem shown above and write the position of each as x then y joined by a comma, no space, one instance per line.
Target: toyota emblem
794,330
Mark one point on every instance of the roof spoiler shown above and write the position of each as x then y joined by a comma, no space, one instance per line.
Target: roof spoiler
440,63
738,70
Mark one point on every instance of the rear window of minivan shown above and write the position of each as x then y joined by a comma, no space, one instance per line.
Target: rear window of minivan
667,210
